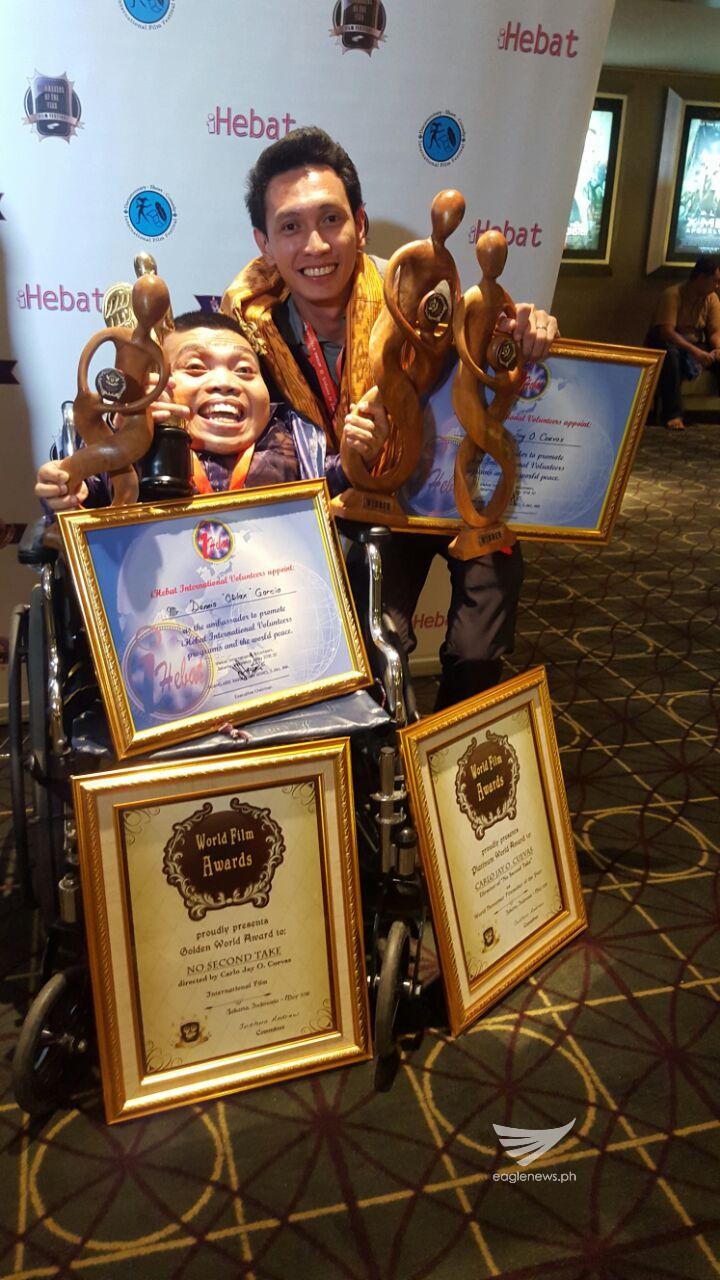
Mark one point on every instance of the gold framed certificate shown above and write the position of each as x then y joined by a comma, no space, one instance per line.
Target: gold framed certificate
576,427
495,840
227,607
224,925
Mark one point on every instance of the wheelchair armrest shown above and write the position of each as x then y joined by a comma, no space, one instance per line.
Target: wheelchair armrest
356,531
32,550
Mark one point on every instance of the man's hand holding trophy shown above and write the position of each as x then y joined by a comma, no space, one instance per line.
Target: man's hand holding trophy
425,315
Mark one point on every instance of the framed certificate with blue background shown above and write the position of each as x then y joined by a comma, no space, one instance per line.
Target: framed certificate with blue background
222,608
577,425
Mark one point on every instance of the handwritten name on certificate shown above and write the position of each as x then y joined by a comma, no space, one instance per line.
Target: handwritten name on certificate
231,944
208,610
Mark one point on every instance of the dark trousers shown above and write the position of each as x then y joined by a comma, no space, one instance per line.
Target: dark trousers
678,366
481,615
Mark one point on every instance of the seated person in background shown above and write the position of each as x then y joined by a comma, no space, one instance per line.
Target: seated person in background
238,438
686,326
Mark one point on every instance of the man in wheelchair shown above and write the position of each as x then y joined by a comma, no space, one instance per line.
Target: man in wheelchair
239,439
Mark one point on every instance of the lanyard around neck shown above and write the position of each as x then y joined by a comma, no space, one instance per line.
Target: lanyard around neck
330,391
237,479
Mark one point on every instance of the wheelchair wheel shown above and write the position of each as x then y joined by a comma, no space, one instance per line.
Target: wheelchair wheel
53,1043
16,659
390,988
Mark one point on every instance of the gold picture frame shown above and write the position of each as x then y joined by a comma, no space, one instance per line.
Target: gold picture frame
224,926
577,427
222,608
495,840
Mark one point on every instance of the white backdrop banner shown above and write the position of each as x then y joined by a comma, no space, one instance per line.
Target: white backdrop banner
131,124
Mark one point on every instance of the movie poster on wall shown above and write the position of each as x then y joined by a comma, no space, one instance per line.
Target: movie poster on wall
695,220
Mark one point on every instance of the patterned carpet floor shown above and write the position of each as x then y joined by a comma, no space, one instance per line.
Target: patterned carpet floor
325,1177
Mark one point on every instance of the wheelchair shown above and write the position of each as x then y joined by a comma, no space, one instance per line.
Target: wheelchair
67,735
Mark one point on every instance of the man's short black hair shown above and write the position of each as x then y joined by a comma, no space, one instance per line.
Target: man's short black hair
205,320
301,148
706,265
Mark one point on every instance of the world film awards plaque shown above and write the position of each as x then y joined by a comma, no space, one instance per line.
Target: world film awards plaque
224,924
222,608
495,840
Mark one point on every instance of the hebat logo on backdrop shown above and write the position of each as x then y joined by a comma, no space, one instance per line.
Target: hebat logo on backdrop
209,302
520,236
359,24
223,120
52,107
35,297
150,213
147,14
441,138
515,38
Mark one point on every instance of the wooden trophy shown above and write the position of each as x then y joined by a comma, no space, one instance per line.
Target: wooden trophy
117,301
409,345
481,345
121,390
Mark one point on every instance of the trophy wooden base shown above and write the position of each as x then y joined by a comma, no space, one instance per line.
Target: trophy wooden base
374,508
479,542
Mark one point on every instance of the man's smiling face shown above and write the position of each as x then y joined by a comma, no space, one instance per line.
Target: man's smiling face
216,374
312,237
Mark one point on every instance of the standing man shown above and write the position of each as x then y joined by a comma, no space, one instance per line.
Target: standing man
686,326
311,299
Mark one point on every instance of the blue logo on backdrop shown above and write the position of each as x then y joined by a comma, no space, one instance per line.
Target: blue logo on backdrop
147,13
150,213
53,107
442,138
209,302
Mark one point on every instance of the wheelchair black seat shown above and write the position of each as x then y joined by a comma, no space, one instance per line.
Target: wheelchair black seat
348,716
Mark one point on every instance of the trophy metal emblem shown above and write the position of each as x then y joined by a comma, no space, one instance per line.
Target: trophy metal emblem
481,345
409,346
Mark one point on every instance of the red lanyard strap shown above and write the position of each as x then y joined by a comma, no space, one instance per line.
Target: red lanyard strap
330,392
237,479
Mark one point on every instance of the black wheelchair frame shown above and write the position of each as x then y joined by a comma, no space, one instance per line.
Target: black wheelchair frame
67,735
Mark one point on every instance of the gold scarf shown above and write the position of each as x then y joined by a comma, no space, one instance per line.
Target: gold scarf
250,299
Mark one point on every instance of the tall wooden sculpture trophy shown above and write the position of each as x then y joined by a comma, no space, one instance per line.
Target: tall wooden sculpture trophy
480,345
120,388
408,348
138,317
